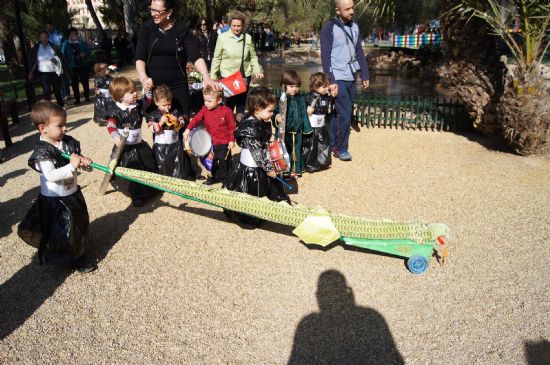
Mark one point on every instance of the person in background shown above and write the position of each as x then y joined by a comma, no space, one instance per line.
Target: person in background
77,54
343,58
102,81
223,26
229,58
46,58
207,41
164,47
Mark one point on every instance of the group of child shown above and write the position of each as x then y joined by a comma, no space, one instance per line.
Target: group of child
59,217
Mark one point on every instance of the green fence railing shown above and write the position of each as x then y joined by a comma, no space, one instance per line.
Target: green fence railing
409,112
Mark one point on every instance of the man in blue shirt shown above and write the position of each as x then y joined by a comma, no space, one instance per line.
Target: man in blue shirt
343,57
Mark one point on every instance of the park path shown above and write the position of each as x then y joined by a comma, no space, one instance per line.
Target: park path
177,283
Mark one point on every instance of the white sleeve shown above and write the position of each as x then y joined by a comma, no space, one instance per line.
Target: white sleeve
55,175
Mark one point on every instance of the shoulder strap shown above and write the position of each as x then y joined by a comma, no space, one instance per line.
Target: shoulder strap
341,26
242,57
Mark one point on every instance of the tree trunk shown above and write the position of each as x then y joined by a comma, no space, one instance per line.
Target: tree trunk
95,18
130,15
472,69
209,4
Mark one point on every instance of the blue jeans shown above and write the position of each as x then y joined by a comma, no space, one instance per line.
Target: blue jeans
341,120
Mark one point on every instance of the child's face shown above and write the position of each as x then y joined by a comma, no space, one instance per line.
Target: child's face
292,89
322,89
54,131
130,97
265,114
164,105
211,101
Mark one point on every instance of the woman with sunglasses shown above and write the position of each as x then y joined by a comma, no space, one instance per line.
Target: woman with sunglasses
164,47
207,40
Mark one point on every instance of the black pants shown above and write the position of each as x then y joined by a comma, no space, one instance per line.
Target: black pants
80,74
50,81
221,163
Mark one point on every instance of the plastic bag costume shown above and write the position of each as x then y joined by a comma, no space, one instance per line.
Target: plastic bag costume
103,99
170,157
249,175
137,153
316,146
56,225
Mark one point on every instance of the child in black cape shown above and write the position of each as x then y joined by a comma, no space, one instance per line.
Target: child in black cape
128,112
316,146
166,123
57,223
102,81
254,174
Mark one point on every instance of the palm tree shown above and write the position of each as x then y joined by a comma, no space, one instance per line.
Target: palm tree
523,108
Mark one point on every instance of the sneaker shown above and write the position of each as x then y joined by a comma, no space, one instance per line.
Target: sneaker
343,156
84,266
210,181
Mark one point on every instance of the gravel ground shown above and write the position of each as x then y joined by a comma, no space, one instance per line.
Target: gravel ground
178,283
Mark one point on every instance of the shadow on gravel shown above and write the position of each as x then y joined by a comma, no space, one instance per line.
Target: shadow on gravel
106,231
537,352
342,332
15,209
23,293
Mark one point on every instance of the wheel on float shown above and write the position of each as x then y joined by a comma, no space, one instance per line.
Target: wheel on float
417,264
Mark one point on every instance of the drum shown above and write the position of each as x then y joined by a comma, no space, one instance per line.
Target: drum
279,156
200,142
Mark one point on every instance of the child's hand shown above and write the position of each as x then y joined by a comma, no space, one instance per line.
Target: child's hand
310,110
278,119
117,140
75,160
211,155
85,161
230,145
272,174
186,135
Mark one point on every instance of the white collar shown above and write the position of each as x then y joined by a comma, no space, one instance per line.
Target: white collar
124,107
59,146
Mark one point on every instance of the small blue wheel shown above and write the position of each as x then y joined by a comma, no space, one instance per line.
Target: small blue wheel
417,264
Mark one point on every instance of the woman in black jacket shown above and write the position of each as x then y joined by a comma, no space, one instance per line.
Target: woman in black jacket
207,40
164,47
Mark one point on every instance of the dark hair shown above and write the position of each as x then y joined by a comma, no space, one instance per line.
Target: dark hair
260,98
290,77
317,80
169,4
100,69
44,110
199,23
120,86
72,29
162,92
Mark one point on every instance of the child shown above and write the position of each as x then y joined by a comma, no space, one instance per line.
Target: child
220,123
102,80
316,148
296,121
254,174
165,123
58,221
127,112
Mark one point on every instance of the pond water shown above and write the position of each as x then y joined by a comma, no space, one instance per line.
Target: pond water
388,84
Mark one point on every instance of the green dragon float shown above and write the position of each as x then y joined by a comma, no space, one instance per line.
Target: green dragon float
415,241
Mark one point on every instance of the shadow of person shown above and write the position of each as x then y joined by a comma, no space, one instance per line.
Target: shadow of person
32,285
341,332
14,210
537,352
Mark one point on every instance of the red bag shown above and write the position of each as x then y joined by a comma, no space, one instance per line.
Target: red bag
233,85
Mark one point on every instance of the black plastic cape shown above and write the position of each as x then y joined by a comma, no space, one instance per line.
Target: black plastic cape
171,159
57,226
316,146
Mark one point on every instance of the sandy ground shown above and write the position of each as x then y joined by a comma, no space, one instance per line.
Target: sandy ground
178,283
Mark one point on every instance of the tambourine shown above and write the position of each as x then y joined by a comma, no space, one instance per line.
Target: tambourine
200,142
279,156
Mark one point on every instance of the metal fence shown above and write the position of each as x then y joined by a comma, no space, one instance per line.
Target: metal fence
410,112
